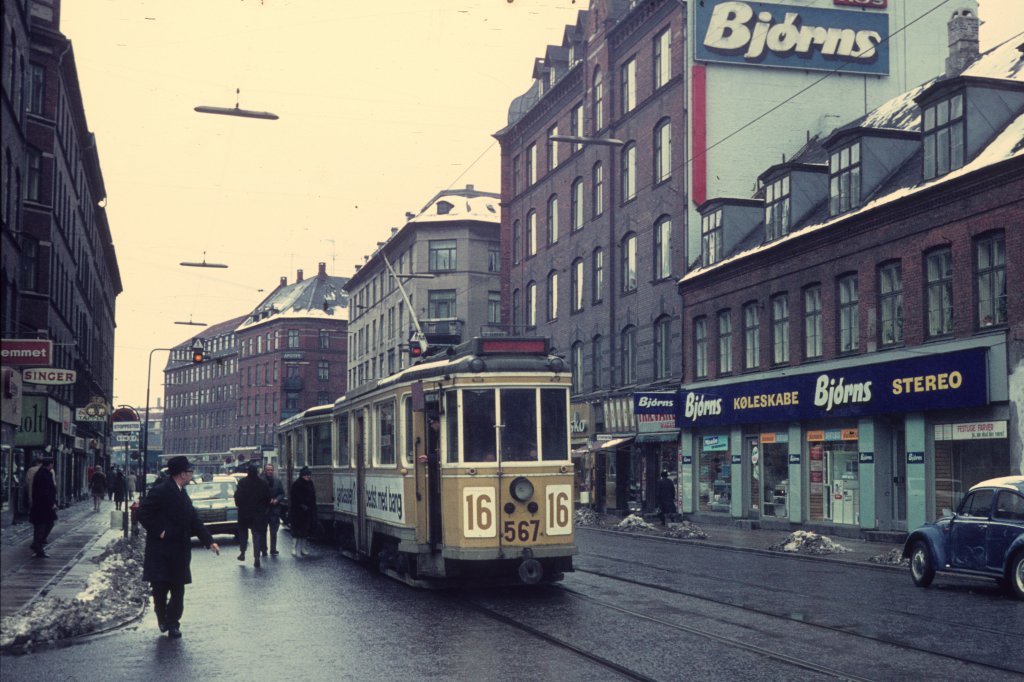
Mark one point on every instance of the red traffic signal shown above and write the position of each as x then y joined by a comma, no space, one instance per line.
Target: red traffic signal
198,355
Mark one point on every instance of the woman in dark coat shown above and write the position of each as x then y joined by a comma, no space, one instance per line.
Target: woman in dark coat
302,511
666,497
120,489
252,497
43,513
99,488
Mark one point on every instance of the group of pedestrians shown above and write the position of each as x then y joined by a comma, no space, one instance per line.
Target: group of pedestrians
121,488
171,521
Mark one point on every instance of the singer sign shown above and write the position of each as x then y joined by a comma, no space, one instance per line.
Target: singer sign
763,34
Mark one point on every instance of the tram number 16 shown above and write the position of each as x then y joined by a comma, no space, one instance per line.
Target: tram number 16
558,509
479,508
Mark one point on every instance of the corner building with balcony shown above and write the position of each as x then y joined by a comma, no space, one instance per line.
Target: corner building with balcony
598,226
855,331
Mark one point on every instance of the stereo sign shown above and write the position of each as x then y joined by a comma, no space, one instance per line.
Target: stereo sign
783,36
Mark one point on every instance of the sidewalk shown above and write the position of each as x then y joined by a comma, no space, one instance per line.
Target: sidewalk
78,535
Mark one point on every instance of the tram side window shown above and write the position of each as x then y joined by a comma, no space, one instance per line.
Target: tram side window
386,432
519,417
344,459
451,405
320,445
410,443
554,424
478,425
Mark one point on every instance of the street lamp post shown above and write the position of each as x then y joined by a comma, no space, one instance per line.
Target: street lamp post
145,427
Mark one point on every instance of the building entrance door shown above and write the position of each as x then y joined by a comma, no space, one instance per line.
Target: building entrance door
899,480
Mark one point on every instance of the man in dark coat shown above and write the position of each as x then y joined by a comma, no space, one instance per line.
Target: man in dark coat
302,511
252,497
99,488
170,521
43,513
120,489
277,499
666,497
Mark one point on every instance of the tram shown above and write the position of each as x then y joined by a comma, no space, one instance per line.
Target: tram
455,470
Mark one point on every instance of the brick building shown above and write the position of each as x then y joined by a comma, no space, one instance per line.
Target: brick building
854,348
60,274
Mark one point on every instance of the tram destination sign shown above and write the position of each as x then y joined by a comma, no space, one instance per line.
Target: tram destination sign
792,36
942,381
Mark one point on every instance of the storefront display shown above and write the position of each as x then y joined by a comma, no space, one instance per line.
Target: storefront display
966,454
774,473
834,475
715,474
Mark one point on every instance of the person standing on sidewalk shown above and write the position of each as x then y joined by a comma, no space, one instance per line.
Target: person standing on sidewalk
43,513
252,497
29,477
170,521
98,484
274,513
120,489
132,483
666,497
302,511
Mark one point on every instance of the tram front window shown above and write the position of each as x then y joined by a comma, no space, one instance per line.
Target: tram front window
519,418
478,425
554,424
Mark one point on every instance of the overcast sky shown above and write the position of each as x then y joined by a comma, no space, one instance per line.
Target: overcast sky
381,106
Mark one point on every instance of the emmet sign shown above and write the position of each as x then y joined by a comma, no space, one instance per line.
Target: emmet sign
26,352
763,34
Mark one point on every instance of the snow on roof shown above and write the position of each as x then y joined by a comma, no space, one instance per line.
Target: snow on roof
1002,61
899,113
1008,144
460,207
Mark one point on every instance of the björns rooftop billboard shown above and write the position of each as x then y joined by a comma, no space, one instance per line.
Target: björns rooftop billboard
785,36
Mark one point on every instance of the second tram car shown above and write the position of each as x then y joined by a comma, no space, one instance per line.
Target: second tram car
455,469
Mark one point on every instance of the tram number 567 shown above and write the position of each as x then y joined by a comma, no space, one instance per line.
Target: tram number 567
479,517
558,509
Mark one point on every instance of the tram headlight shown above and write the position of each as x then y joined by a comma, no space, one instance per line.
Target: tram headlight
521,489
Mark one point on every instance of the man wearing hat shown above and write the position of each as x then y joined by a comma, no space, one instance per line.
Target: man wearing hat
43,512
170,521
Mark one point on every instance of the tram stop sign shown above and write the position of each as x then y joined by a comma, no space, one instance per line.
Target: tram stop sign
125,419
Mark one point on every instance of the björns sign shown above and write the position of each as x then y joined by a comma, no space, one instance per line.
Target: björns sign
946,381
762,34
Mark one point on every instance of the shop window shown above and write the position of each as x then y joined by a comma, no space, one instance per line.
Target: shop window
834,457
961,463
715,475
990,266
771,471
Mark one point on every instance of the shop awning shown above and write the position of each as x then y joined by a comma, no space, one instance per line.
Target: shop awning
617,443
668,436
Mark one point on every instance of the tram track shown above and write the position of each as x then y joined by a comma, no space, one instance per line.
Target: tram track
763,612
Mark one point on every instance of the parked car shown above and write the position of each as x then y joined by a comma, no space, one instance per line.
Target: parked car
215,503
984,537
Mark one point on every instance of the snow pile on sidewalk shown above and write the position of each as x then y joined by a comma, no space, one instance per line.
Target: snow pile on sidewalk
634,524
586,516
686,531
894,557
114,594
809,542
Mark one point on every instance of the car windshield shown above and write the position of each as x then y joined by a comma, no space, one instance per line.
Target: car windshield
211,491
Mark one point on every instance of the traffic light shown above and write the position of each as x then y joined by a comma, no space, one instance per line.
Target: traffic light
417,347
198,352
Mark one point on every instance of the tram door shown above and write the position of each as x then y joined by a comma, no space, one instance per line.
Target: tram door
360,461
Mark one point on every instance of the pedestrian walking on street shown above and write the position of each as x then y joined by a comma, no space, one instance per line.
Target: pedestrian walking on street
132,484
120,489
666,497
43,513
252,497
277,498
98,485
170,521
29,477
302,511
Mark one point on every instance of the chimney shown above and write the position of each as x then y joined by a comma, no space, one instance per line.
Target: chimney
298,276
284,282
469,187
963,41
321,272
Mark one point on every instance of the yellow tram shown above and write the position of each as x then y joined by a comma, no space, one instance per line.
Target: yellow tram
456,469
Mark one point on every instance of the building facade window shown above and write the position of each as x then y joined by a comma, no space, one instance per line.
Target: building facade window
751,335
663,248
629,355
28,263
662,58
576,206
628,172
844,179
531,233
552,146
629,263
849,314
37,89
552,307
517,242
700,348
776,209
597,101
293,338
943,136
35,175
780,329
516,176
576,362
990,268
443,255
576,285
325,340
576,125
711,238
531,304
890,304
663,347
493,307
724,342
323,371
939,282
628,85
598,273
812,321
441,304
531,164
663,151
597,361
494,257
597,187
553,219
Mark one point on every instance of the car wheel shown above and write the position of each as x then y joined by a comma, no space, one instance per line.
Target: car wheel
922,565
1015,579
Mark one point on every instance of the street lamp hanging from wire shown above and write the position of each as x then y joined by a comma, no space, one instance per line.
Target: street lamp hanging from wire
244,113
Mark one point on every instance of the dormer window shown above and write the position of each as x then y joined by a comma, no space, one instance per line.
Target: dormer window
711,238
444,207
776,209
943,130
844,179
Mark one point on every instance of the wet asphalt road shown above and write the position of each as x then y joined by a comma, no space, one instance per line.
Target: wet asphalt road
665,611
